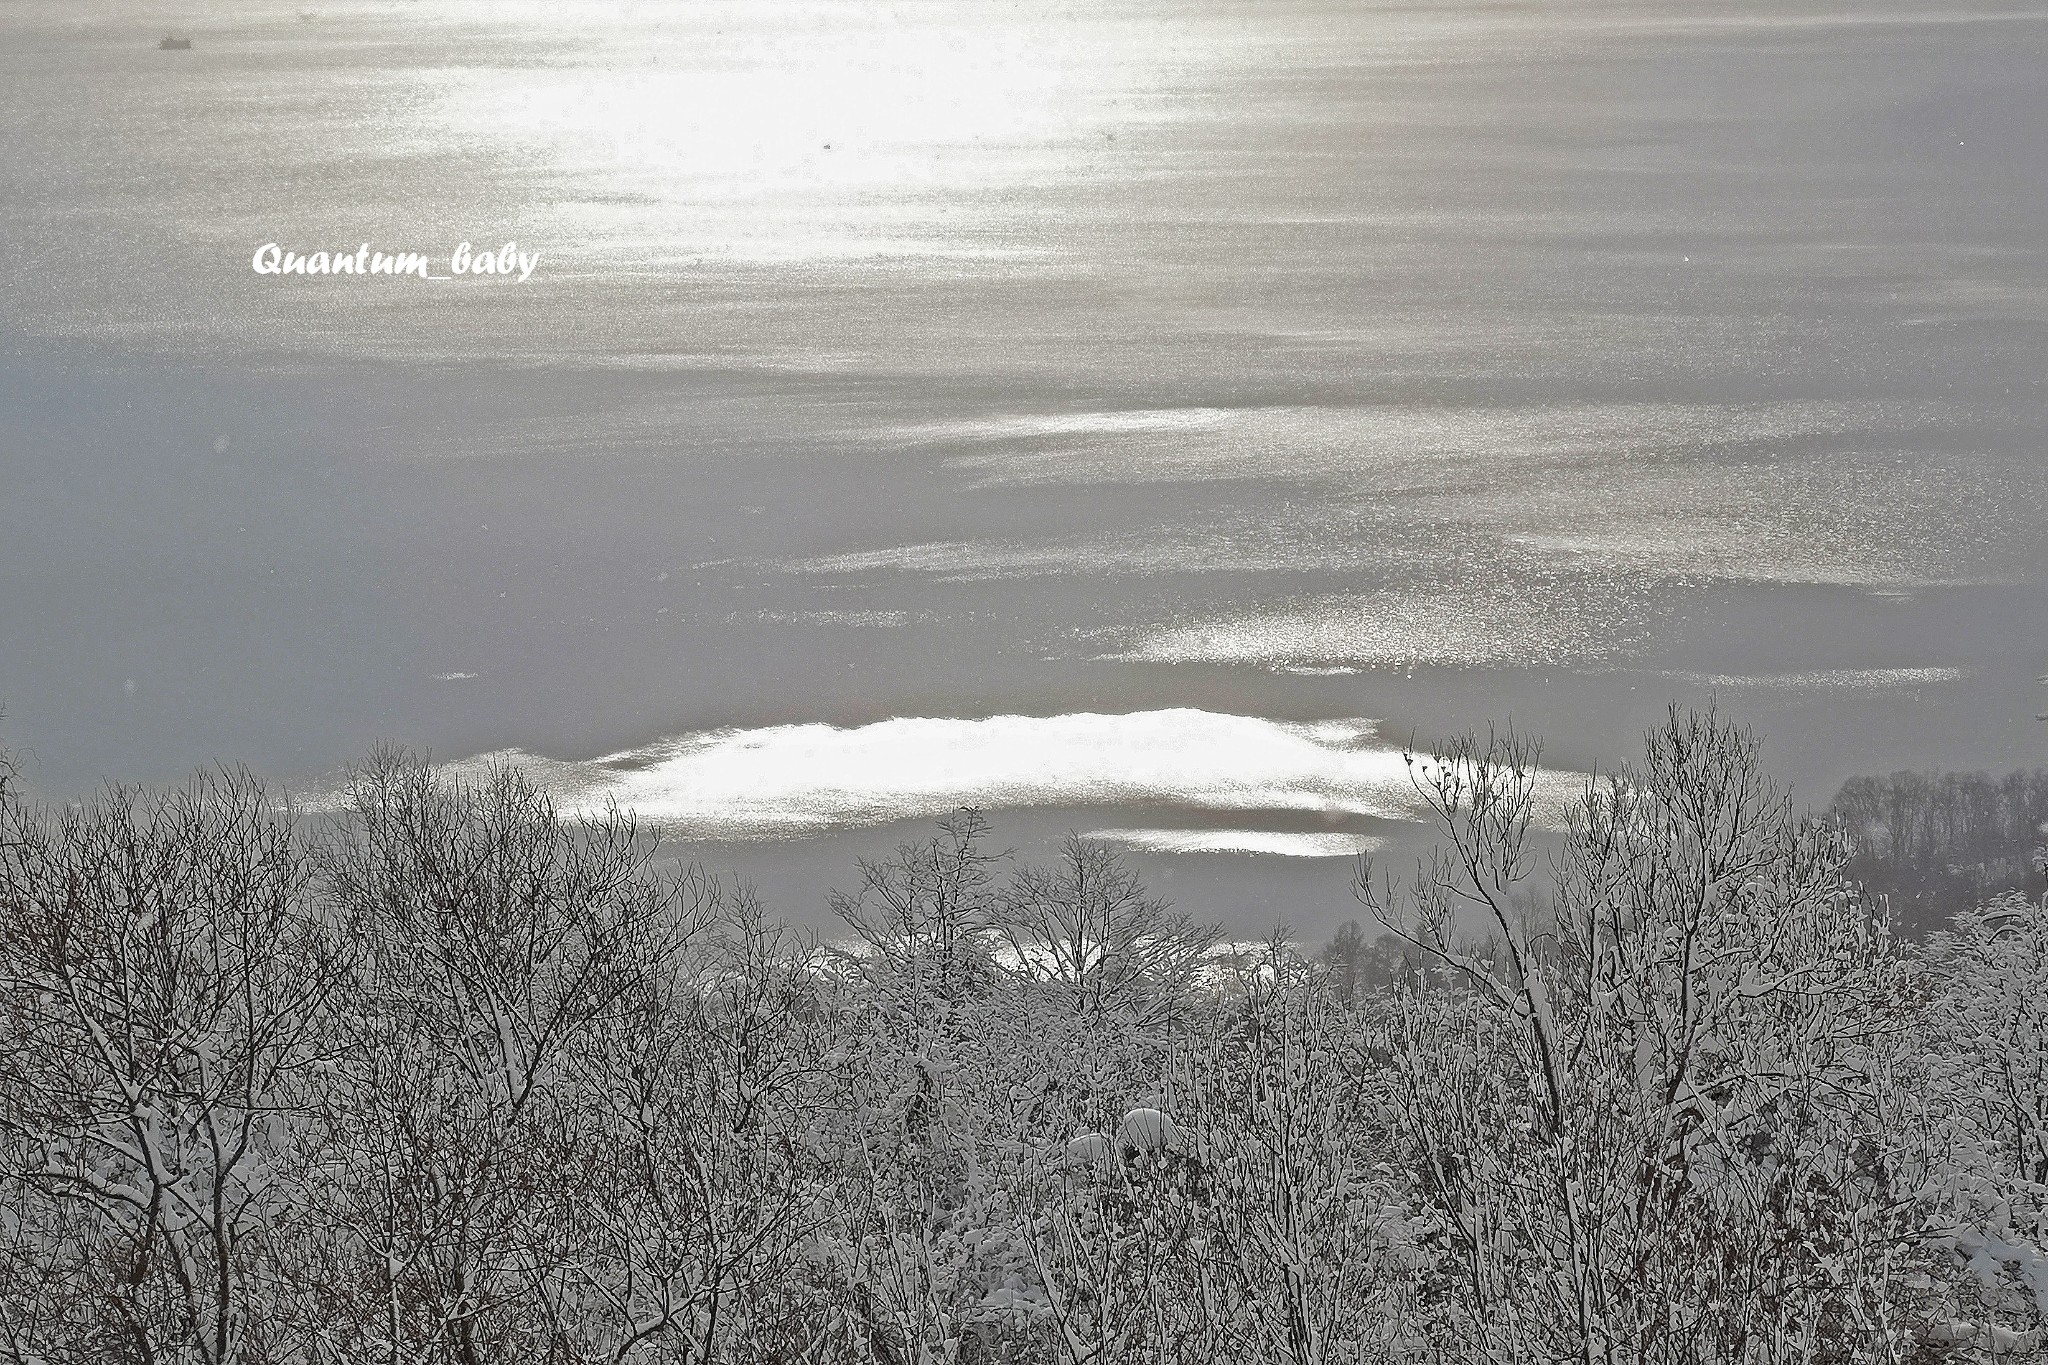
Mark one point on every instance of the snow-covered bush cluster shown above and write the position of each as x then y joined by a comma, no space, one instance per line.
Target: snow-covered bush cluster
441,1077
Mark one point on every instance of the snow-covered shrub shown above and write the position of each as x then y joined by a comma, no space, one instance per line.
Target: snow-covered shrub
445,1078
1304,1252
1147,1132
1984,1083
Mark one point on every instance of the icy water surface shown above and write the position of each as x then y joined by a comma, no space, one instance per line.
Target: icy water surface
1140,416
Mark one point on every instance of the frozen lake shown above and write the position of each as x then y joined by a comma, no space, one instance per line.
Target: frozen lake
1139,417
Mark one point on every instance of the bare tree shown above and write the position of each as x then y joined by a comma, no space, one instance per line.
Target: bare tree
685,1236
499,939
165,1003
1650,1123
926,921
1085,931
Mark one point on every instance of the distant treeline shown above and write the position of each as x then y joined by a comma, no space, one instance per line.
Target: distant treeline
443,1079
1934,844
